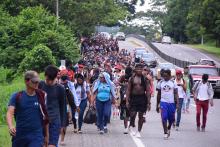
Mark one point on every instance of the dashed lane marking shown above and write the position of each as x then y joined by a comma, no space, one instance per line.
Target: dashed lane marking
137,141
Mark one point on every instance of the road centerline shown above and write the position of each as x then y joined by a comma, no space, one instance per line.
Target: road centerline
137,141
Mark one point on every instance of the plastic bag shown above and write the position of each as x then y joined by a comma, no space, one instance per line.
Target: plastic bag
90,116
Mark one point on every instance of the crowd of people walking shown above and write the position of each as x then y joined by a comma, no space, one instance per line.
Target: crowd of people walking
105,77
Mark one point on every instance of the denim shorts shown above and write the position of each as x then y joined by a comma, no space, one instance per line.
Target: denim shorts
54,132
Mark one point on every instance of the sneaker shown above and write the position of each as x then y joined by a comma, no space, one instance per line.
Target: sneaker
138,134
203,129
75,131
187,111
166,137
133,131
198,129
62,143
126,131
177,128
80,131
101,132
105,130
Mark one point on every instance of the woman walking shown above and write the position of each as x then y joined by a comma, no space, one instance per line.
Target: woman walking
83,93
104,94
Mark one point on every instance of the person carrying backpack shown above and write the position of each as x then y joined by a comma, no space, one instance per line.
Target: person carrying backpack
29,110
56,103
83,95
138,99
203,95
181,85
71,99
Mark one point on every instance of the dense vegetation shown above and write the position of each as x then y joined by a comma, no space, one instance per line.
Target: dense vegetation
81,15
32,37
187,20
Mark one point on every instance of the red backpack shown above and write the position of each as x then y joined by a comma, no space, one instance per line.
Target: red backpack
41,95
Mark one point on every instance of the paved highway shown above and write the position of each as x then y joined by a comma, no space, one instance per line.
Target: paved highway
152,134
184,52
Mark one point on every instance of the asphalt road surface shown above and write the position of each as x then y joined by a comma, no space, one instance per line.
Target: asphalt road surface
184,52
152,133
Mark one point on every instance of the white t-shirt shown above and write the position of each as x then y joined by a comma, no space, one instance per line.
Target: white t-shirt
181,92
203,92
78,91
167,90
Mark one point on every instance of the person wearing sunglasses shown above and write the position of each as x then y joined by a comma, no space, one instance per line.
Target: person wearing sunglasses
103,95
28,108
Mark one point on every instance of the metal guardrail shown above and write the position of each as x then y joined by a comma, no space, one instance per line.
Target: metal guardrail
177,62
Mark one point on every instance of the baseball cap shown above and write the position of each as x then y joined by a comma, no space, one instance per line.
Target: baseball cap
32,75
179,72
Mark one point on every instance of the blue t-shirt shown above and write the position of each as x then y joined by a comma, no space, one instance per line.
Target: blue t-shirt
104,92
28,115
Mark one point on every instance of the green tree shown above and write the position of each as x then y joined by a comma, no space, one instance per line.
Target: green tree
31,27
81,15
37,59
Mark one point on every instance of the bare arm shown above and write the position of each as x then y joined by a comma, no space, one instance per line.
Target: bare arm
148,94
158,100
89,97
128,92
93,97
176,97
9,118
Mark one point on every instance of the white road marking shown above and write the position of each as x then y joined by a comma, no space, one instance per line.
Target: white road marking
137,141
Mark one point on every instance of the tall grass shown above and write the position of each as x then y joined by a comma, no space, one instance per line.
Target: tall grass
5,138
6,90
209,47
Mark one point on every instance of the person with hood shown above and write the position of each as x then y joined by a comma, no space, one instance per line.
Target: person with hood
104,95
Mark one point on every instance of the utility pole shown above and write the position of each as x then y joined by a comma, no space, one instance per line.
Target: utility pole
57,10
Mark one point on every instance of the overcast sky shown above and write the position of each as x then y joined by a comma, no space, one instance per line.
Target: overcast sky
144,8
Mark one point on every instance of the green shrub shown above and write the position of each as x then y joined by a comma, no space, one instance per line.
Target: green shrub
5,75
37,59
34,26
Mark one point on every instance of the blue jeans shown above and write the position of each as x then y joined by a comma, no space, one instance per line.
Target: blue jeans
103,113
179,111
82,106
54,132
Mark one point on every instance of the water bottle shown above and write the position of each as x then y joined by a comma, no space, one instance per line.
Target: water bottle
76,115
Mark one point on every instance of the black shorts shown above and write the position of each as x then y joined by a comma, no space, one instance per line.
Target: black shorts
138,103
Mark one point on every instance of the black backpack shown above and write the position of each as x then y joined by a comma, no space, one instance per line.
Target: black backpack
69,96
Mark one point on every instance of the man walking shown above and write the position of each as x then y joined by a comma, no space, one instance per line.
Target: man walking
138,98
167,101
203,95
56,103
30,114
